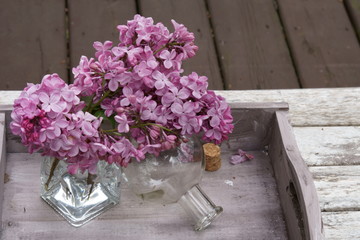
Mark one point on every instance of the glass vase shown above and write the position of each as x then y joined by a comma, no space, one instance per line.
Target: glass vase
82,196
172,177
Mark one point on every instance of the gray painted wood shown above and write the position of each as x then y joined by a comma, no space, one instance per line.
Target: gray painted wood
253,125
309,107
2,158
193,14
32,41
329,146
338,187
96,22
325,48
296,187
251,207
342,225
252,47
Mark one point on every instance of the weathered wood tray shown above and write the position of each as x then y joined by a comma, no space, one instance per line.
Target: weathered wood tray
270,197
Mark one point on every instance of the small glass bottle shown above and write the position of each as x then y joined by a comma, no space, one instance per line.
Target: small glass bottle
172,177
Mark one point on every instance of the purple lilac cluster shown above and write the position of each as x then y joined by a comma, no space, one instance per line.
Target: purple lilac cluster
127,101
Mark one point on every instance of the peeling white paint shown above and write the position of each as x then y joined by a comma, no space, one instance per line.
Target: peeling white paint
229,182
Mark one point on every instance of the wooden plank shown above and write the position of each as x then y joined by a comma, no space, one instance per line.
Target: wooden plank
315,30
251,207
342,225
2,158
308,107
252,48
353,8
93,20
297,191
329,146
193,14
32,41
338,187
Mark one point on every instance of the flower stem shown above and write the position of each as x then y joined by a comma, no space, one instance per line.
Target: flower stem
52,170
154,124
90,103
109,130
106,94
90,180
166,46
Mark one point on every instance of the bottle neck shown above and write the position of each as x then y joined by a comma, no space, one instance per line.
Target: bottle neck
199,207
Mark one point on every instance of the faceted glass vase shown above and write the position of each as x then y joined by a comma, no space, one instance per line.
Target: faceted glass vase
172,177
79,197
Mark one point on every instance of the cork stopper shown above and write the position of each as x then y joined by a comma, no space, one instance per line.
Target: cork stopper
212,157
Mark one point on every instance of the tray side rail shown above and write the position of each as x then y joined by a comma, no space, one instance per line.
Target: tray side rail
253,123
2,158
296,187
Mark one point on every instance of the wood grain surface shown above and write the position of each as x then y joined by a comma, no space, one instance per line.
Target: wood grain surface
32,41
310,107
325,48
329,146
251,207
338,187
96,22
193,14
252,48
2,159
297,190
353,8
342,225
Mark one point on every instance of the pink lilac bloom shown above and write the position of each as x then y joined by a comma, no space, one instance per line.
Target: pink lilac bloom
241,157
102,48
169,58
128,100
123,126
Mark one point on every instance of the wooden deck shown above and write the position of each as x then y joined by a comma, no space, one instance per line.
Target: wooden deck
257,44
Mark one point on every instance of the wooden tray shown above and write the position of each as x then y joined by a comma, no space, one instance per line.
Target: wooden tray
270,197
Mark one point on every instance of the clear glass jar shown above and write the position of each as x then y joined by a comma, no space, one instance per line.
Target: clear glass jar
80,197
172,177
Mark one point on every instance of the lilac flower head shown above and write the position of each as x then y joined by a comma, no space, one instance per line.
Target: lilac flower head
128,100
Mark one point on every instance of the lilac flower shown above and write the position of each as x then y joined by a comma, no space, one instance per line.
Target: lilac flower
161,80
189,125
168,58
102,48
134,89
28,108
53,129
175,94
52,102
150,59
52,81
183,109
149,112
142,69
196,84
242,156
123,126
